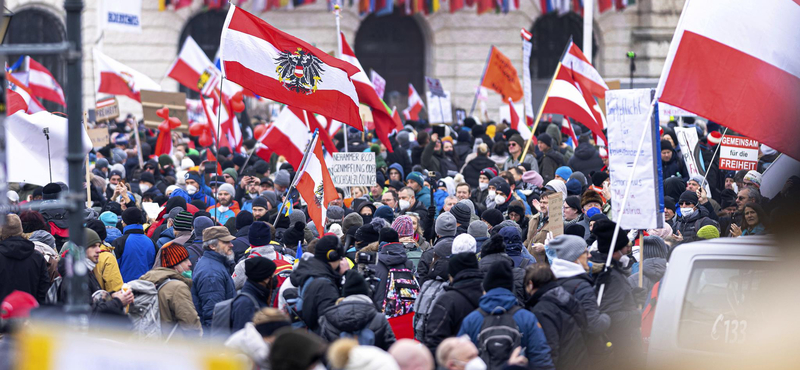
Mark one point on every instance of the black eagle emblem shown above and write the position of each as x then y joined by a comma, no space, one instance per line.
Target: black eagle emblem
299,71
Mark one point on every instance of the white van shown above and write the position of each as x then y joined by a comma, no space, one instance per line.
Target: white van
708,305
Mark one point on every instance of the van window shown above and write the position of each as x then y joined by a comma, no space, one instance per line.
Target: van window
719,310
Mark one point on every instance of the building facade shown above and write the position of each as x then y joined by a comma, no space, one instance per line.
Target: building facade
402,49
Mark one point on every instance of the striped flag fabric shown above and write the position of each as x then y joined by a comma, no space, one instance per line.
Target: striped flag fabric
20,98
415,104
566,97
527,47
737,63
583,71
514,120
281,67
42,83
115,78
288,136
315,184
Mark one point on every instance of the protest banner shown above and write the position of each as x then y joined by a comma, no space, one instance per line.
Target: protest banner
353,169
379,83
555,213
687,140
440,109
627,121
152,101
122,16
738,153
98,136
434,86
106,110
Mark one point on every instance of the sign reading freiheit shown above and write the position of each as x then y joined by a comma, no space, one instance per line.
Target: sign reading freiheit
738,153
353,169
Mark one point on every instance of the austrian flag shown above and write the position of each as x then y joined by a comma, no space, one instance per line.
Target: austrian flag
281,67
315,185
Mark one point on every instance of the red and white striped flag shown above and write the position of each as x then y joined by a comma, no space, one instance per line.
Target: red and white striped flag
527,95
194,70
315,184
566,98
288,136
514,120
20,98
281,67
115,78
42,83
415,104
583,71
737,63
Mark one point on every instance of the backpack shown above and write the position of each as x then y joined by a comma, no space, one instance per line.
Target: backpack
144,311
413,253
427,296
365,337
294,303
402,290
649,313
222,317
498,337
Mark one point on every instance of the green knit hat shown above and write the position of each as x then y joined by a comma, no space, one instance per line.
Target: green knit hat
708,232
232,173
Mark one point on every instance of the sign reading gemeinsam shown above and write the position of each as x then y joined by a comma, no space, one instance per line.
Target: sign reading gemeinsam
353,169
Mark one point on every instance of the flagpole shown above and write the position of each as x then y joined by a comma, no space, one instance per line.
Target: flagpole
337,11
712,159
219,114
588,20
544,103
299,172
524,101
483,75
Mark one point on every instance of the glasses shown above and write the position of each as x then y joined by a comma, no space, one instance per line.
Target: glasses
741,198
512,144
685,204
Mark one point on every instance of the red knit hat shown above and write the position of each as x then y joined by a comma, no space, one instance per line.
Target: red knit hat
714,137
173,254
18,304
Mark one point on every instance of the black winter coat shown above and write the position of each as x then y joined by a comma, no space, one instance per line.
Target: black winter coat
563,322
320,293
242,310
399,156
580,287
241,243
519,274
390,256
549,162
352,315
674,167
23,269
427,258
586,159
472,170
450,309
626,320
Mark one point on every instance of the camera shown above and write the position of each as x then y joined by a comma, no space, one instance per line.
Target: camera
364,260
367,258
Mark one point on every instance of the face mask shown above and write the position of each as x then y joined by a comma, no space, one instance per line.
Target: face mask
475,364
384,154
191,189
686,212
491,194
624,260
367,219
187,274
144,188
499,199
404,204
222,209
483,185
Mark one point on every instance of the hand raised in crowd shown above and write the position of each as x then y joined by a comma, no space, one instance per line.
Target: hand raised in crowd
607,190
434,137
126,296
736,230
702,197
537,205
244,181
538,247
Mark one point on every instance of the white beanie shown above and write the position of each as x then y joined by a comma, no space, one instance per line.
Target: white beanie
464,243
187,163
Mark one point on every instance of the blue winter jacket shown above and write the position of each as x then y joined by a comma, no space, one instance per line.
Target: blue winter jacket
136,253
208,200
112,233
211,284
424,196
499,300
165,237
243,310
514,247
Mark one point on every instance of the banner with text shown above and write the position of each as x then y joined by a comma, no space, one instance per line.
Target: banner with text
627,122
353,169
738,153
122,16
692,157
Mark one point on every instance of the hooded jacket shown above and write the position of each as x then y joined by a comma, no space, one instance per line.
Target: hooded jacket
549,162
425,261
449,310
563,321
586,159
242,310
472,170
321,293
688,225
498,301
519,274
241,243
211,284
423,197
654,269
107,270
23,269
250,342
577,282
353,314
399,168
514,247
390,256
222,217
136,253
175,302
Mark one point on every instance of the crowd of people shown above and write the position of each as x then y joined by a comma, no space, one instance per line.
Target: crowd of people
448,260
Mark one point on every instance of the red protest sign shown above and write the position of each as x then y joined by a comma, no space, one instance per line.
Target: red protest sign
738,153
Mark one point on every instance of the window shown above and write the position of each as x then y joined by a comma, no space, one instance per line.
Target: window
206,29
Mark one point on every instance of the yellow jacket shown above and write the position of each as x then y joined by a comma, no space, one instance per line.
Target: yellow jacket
107,270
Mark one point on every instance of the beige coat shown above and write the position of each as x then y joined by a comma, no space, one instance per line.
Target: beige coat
175,302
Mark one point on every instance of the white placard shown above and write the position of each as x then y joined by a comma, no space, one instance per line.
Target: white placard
122,15
379,83
687,140
665,111
775,176
440,110
627,121
353,169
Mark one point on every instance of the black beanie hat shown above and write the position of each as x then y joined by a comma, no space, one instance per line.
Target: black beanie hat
132,216
295,349
516,209
493,216
461,261
499,276
244,218
546,139
260,202
259,234
50,191
388,235
604,231
688,196
665,144
574,202
294,235
327,248
669,202
258,269
367,234
354,284
598,178
462,213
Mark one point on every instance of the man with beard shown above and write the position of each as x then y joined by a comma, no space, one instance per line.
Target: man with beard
212,282
226,207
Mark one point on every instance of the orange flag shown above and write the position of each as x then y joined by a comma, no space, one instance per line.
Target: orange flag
501,76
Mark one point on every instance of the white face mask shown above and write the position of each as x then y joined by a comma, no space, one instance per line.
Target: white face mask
475,364
483,185
491,194
686,212
499,199
144,188
222,209
404,204
191,189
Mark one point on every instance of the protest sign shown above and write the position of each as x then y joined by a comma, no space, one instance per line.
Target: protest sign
440,109
379,83
774,178
738,153
627,122
352,169
106,110
434,86
687,140
99,136
665,111
555,213
122,16
152,101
